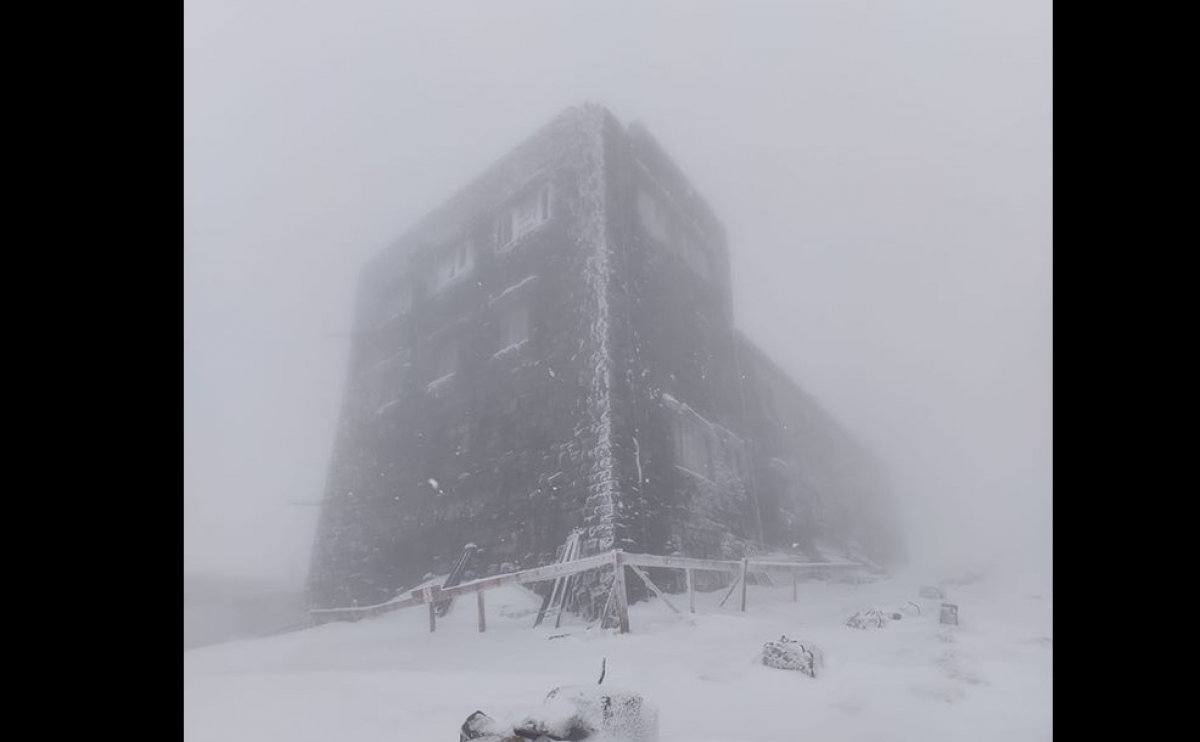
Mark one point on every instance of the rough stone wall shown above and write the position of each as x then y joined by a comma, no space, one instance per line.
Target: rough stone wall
506,452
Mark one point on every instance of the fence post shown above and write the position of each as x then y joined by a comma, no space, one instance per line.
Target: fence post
619,590
482,618
745,565
795,581
432,617
691,594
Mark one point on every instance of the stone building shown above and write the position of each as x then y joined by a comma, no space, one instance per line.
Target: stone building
554,348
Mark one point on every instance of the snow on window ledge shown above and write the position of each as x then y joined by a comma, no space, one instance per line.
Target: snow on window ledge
697,475
513,289
381,409
509,349
439,382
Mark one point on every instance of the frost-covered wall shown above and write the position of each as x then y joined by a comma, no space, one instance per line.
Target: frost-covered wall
476,409
602,501
673,343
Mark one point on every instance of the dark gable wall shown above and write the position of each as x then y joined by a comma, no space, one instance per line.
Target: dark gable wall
675,342
783,472
823,483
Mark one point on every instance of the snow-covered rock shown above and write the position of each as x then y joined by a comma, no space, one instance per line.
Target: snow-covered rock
790,654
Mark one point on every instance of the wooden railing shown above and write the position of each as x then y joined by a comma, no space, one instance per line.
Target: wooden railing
618,595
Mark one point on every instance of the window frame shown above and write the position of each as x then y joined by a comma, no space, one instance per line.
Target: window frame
453,264
693,447
512,228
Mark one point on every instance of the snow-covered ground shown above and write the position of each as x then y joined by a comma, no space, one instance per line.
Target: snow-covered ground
988,678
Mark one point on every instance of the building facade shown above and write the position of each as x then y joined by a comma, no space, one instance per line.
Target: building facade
555,349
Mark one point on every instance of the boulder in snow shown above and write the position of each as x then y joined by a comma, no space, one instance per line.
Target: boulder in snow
480,726
790,654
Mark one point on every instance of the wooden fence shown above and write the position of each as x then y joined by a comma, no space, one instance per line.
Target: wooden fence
618,597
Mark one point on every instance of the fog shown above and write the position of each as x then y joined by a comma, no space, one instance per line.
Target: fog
883,170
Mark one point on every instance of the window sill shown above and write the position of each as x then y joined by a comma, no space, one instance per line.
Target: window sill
439,382
383,408
697,475
510,349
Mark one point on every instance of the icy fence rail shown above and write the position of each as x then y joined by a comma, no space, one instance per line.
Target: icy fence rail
433,594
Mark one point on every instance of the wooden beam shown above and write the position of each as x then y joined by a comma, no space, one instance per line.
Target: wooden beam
333,614
691,592
800,567
732,586
612,589
674,562
622,597
562,599
564,569
537,574
745,566
646,579
432,617
482,615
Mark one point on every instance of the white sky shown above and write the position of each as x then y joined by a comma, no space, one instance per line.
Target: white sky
883,169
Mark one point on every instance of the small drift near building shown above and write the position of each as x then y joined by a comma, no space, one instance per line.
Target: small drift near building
553,349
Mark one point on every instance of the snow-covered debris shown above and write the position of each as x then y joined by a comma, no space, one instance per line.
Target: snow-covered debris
790,654
932,593
868,619
575,714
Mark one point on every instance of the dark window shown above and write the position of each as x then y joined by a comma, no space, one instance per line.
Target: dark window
504,231
514,325
388,379
525,215
693,447
445,359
